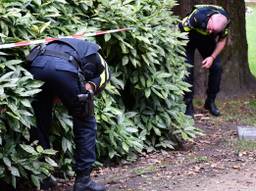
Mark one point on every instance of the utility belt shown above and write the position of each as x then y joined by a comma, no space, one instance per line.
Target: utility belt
42,51
61,55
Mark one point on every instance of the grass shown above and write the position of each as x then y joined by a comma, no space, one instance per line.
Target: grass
244,145
201,159
240,110
145,170
251,37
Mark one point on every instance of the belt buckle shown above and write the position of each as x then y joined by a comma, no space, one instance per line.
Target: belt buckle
42,50
71,58
73,61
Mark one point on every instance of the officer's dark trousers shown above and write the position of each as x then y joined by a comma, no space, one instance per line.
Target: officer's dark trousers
66,86
205,46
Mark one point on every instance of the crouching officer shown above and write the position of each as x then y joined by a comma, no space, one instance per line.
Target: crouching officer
207,27
74,71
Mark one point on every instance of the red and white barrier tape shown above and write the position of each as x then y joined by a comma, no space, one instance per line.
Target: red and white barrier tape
47,40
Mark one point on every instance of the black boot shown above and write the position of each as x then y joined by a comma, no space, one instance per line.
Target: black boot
85,183
189,107
210,105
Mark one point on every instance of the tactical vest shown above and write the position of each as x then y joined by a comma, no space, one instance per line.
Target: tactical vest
81,49
200,23
76,53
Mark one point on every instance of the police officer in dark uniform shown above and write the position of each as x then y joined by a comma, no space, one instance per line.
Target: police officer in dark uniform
207,27
74,71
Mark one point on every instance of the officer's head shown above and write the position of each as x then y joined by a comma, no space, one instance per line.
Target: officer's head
217,23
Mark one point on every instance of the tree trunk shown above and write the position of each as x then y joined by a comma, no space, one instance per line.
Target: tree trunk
236,77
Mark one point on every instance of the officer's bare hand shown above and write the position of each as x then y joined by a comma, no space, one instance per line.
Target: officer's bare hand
207,62
89,87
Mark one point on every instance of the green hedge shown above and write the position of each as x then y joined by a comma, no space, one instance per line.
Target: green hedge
141,108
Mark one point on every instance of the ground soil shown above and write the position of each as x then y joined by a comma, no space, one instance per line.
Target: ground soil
216,161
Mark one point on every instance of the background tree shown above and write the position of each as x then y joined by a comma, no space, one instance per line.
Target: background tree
236,77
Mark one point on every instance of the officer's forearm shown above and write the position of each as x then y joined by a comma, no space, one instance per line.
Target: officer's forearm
219,47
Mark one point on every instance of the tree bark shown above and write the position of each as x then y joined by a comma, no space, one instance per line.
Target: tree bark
236,77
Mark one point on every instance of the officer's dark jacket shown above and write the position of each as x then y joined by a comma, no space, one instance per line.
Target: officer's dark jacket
96,73
198,18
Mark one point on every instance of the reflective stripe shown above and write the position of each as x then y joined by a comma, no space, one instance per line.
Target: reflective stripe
192,14
226,32
185,24
187,29
186,21
202,32
208,6
104,76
